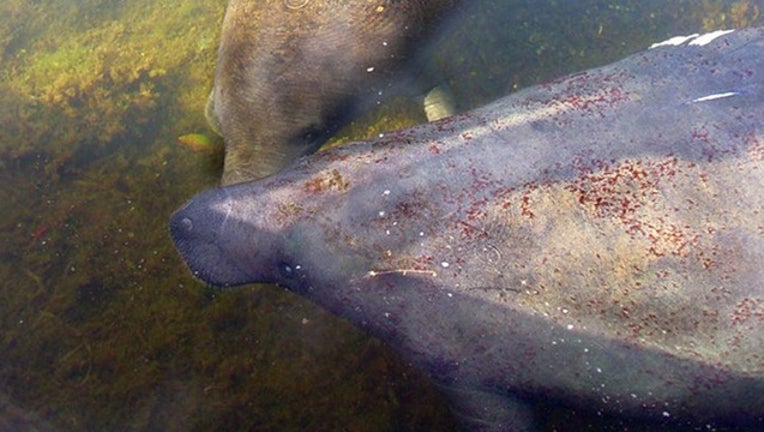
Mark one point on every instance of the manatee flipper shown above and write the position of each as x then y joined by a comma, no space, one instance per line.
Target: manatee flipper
439,103
488,411
428,323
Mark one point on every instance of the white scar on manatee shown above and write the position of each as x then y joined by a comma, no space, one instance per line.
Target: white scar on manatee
693,39
404,272
696,39
715,96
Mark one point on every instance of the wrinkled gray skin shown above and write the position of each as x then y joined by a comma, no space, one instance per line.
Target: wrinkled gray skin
597,241
291,72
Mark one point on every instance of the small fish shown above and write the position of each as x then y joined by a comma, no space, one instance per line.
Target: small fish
199,142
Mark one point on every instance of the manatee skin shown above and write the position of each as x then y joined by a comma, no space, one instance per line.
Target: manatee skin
290,72
597,240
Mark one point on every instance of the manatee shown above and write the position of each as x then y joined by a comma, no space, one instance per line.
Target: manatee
291,72
596,241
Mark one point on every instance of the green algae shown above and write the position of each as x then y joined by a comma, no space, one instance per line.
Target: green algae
92,86
102,326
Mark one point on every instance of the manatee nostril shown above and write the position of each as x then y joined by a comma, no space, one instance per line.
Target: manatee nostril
187,224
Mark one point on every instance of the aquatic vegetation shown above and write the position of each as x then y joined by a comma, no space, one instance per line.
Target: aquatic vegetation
396,113
741,13
200,142
77,94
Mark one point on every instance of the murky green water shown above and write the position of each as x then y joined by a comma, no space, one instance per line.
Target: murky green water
102,326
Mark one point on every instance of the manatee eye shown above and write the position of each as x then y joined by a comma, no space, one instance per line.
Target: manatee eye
287,270
310,135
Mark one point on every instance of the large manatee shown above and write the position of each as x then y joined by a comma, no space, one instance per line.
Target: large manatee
597,240
290,72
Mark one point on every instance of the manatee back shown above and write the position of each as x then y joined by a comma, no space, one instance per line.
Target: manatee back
597,238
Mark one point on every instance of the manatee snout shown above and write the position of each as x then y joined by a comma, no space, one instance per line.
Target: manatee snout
207,237
287,78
